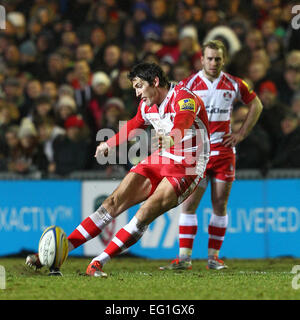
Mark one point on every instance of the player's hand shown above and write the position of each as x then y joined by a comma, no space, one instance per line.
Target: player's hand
164,142
232,139
102,149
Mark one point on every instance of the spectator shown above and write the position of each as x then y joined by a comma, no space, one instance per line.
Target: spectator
128,57
56,69
170,49
24,152
107,17
159,11
18,20
123,90
181,71
82,85
13,93
85,52
48,131
197,14
28,55
111,60
190,50
32,155
32,93
288,148
71,151
101,91
114,112
290,83
42,109
151,45
239,26
257,73
254,151
9,115
49,89
296,105
183,14
143,19
12,58
65,89
274,49
65,107
12,149
45,46
98,40
69,40
131,33
211,19
268,28
240,60
272,112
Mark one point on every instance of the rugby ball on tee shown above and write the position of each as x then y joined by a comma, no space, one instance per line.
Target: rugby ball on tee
53,247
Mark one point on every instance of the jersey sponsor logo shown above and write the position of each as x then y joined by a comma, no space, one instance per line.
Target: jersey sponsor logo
212,109
187,104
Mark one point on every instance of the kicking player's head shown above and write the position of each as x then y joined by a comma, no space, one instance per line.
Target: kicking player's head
149,72
149,82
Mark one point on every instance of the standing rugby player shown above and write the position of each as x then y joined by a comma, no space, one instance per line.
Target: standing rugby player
218,90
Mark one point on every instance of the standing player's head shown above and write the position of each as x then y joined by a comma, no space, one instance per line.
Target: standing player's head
150,82
213,59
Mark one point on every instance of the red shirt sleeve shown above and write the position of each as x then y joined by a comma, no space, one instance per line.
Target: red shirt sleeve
246,94
182,121
186,107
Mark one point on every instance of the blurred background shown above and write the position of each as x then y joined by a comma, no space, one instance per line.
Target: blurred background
63,77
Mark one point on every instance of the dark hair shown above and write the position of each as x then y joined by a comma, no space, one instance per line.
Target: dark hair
42,99
148,71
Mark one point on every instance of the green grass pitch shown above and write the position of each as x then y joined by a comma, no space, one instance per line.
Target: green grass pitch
140,279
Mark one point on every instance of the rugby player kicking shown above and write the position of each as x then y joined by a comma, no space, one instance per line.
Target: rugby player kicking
161,181
218,90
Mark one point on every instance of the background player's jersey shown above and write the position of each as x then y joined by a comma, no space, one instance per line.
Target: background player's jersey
218,97
195,142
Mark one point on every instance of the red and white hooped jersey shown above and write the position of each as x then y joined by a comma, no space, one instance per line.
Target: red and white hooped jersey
195,143
218,97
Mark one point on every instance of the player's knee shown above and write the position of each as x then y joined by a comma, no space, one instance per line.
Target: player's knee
145,215
220,206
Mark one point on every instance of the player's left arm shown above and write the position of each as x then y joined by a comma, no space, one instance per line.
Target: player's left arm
255,108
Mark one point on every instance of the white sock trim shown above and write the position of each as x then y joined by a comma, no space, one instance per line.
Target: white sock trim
218,221
186,219
101,217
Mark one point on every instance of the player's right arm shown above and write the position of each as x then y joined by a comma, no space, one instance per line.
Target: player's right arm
126,132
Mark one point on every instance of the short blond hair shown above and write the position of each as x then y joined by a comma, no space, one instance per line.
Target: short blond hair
216,45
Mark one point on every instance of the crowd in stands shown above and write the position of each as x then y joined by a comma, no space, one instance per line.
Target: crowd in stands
64,64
